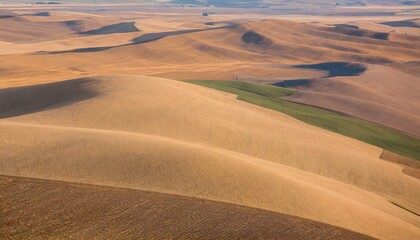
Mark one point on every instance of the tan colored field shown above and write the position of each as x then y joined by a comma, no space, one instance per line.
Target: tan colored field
222,54
383,95
118,131
211,54
99,138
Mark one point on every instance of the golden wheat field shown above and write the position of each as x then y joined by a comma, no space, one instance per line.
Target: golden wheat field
304,124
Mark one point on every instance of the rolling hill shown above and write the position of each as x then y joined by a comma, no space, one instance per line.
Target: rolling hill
159,135
375,96
262,51
270,51
303,136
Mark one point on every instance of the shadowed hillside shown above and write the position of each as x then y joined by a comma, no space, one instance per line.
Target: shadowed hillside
115,28
26,29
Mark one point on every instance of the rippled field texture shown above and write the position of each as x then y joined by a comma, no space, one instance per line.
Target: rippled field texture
259,119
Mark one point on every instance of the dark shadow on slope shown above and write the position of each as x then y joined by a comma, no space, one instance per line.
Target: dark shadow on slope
346,26
123,27
40,14
6,16
336,69
83,50
75,25
408,23
156,36
30,99
145,38
221,23
410,3
253,37
293,83
360,33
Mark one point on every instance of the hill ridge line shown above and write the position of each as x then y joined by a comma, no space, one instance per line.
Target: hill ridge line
282,169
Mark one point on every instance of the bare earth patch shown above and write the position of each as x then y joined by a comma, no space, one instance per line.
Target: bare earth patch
39,209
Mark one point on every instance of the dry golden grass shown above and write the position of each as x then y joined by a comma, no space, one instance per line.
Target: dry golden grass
215,54
172,137
190,144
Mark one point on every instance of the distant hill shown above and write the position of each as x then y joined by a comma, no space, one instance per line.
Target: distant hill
236,3
224,3
266,3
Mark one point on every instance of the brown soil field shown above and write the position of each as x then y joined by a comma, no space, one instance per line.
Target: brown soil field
35,208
